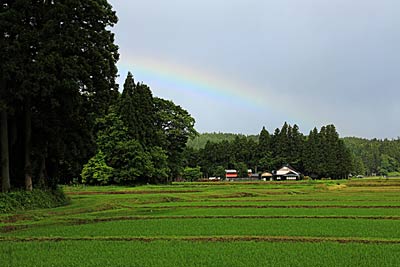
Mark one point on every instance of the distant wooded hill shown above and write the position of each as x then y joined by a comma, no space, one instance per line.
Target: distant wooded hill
376,156
201,140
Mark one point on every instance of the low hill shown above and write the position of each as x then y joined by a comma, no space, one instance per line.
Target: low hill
201,140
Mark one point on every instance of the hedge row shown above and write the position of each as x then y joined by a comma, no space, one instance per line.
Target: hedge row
22,200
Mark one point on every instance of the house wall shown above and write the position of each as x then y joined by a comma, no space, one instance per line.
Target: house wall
286,178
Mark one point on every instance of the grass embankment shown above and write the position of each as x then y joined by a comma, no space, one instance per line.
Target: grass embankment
23,200
303,223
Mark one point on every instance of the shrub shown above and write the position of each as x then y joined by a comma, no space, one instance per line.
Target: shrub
96,171
393,174
23,200
8,203
192,174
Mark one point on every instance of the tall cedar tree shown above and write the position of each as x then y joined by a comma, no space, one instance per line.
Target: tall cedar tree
296,148
311,155
137,110
126,106
264,142
264,150
145,128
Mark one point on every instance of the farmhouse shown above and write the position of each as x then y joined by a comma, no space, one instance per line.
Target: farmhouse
229,174
286,173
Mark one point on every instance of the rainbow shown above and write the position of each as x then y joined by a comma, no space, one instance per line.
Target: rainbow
202,83
196,82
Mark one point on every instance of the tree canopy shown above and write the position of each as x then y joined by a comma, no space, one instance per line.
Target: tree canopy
142,137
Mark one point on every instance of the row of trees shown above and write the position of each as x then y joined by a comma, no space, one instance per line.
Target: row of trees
320,154
57,74
59,103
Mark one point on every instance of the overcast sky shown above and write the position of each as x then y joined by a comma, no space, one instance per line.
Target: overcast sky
239,65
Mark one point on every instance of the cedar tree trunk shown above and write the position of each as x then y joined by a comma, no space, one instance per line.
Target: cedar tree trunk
28,140
5,162
42,172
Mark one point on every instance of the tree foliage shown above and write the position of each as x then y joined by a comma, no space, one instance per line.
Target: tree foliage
325,155
192,173
375,157
143,137
199,141
175,126
96,171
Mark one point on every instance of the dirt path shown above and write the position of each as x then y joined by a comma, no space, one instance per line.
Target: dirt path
303,239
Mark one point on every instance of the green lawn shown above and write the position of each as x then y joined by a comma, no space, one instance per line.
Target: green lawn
306,223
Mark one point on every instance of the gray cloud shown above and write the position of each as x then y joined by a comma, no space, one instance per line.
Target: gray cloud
333,61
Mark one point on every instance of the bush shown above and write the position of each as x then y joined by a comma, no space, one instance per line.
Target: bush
96,171
23,200
393,174
192,174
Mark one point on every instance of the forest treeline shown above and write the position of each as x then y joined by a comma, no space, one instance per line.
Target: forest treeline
376,156
319,154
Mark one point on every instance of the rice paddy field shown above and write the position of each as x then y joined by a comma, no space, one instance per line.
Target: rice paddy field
296,223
